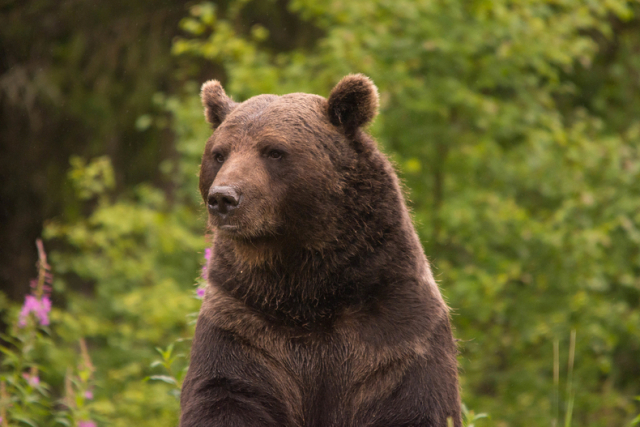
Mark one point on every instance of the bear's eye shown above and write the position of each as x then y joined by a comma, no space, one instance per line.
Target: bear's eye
275,154
218,157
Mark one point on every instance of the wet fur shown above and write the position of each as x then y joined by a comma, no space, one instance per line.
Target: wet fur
322,309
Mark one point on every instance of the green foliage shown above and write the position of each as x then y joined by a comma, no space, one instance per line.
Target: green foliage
636,420
139,252
168,361
91,180
469,417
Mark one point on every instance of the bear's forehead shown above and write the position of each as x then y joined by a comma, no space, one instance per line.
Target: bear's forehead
294,108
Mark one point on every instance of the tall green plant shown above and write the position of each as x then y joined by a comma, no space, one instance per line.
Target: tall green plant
140,253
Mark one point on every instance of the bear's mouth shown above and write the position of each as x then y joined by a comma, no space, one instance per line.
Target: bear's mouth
229,228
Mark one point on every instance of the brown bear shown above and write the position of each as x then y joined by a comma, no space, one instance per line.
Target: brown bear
321,309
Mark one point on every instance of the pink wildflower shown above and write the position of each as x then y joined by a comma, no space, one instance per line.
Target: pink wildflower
88,395
200,292
207,256
40,307
86,424
33,380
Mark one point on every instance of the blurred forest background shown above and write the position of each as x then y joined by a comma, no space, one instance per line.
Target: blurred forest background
515,126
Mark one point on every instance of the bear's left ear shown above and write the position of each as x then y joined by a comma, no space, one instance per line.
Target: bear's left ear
216,102
353,102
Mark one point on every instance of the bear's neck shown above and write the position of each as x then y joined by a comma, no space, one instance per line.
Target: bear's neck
306,288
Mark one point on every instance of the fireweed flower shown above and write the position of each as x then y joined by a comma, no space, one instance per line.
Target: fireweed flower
33,380
207,255
86,424
88,395
39,307
38,302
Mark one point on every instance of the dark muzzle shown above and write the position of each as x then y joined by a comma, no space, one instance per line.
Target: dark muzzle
222,200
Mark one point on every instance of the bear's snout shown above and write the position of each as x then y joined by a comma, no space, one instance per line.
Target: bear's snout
222,200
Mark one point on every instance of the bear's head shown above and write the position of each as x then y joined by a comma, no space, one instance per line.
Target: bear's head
280,170
308,215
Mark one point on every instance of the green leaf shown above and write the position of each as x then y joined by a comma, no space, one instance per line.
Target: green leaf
164,378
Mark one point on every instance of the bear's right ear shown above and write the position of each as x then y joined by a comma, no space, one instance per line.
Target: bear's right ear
216,102
353,102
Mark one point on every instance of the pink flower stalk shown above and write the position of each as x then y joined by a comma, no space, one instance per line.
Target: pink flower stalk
86,424
207,256
88,395
200,292
38,301
39,307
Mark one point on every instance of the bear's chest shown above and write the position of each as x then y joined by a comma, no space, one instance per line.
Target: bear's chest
334,378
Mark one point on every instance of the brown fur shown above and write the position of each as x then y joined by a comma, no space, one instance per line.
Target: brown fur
353,103
321,308
216,103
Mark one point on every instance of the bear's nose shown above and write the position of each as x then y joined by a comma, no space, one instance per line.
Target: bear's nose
222,200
